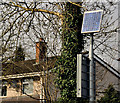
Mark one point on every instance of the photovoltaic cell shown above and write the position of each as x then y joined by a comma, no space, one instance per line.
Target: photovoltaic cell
91,21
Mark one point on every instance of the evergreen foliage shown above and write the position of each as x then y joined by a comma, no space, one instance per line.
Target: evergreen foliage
19,54
110,96
72,45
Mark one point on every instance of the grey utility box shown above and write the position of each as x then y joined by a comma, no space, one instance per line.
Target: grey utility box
82,76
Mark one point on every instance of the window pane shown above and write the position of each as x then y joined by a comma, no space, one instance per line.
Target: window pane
4,91
3,88
27,86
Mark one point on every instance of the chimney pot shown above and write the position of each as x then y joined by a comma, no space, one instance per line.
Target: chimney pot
41,40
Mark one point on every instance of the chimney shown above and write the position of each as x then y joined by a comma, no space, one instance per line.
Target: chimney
41,50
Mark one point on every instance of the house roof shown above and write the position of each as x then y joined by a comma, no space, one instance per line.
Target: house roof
27,66
107,66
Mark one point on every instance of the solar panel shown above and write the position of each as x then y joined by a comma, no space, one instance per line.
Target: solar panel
91,21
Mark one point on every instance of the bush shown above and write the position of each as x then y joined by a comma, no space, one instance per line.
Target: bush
110,96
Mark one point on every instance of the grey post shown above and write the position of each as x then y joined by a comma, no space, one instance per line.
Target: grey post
0,68
91,78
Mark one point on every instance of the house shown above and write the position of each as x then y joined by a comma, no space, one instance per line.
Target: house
29,80
105,75
32,80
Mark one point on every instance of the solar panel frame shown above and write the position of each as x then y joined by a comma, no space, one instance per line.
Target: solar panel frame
91,21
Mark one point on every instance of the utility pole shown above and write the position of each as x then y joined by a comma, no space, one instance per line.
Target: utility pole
92,72
91,24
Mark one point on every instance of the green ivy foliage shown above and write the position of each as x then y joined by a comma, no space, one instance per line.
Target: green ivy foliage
110,96
72,45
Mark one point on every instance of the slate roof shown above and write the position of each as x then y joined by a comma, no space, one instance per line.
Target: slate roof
107,66
27,66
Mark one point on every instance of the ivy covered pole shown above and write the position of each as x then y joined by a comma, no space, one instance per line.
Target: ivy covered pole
72,45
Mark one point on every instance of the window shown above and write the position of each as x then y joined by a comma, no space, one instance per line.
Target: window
4,88
4,91
27,86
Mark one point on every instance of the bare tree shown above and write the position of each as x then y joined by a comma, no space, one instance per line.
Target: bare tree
25,22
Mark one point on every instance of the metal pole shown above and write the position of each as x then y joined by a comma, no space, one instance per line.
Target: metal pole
91,78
